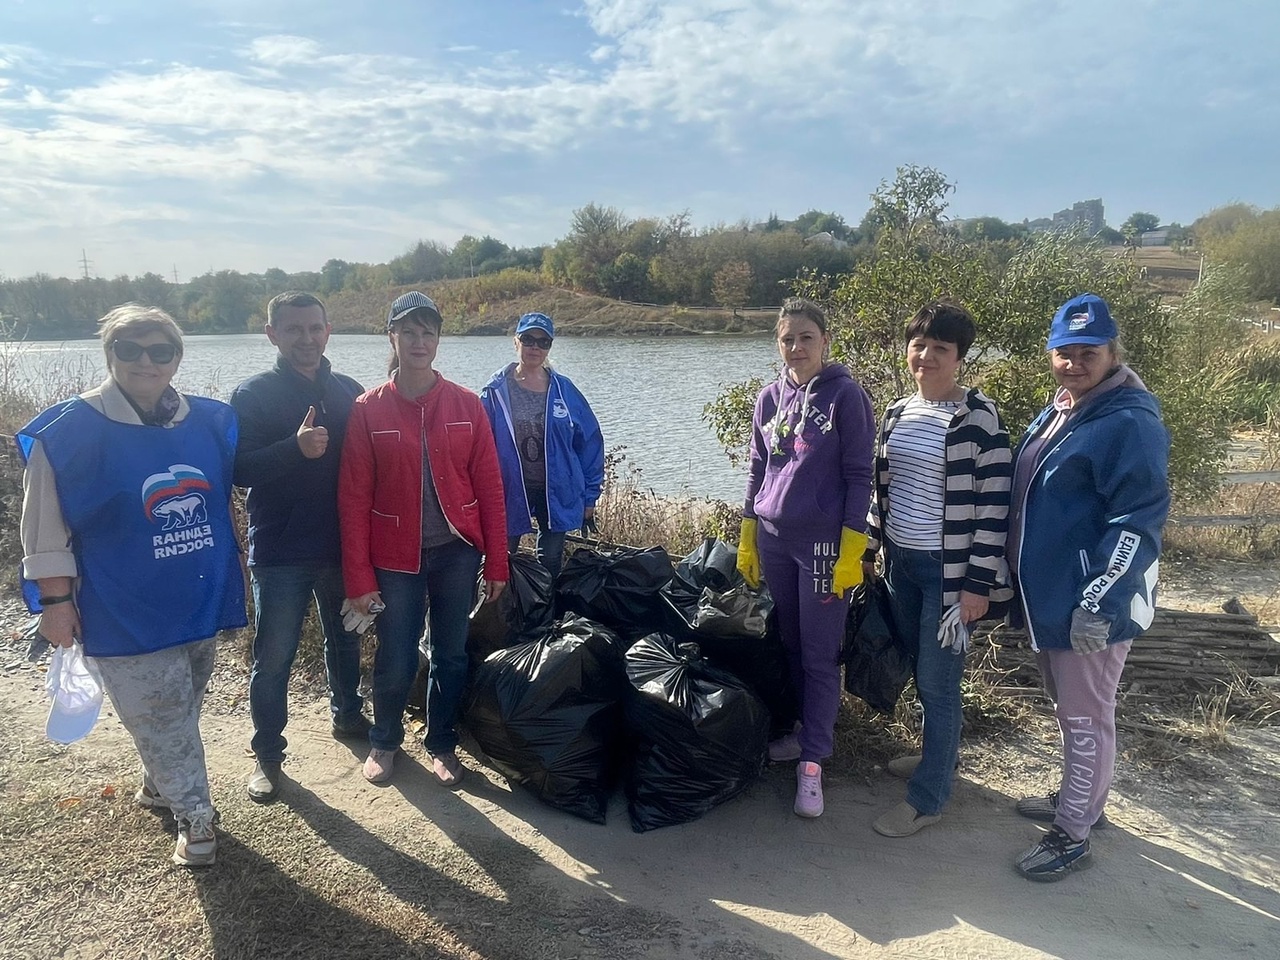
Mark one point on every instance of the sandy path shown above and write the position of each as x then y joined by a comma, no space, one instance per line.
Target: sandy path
1175,879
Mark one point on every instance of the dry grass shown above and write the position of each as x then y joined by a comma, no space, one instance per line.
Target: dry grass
631,513
1254,541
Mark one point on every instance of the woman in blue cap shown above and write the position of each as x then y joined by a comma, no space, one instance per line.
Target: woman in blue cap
549,444
1090,497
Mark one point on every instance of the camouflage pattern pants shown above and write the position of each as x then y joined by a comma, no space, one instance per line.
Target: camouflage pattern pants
157,697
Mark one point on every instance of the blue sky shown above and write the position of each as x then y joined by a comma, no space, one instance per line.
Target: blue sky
245,135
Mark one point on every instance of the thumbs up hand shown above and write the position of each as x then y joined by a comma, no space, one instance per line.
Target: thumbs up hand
312,440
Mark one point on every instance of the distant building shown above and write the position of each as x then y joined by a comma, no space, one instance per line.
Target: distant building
1086,214
1154,238
1039,225
827,239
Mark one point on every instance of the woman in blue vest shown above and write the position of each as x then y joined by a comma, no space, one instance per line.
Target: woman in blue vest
128,542
549,444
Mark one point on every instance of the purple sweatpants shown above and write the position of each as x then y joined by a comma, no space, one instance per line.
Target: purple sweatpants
1083,689
811,622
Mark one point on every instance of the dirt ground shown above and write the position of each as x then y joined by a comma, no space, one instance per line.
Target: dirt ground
340,868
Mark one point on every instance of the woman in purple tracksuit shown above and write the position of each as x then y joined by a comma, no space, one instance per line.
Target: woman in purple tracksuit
804,524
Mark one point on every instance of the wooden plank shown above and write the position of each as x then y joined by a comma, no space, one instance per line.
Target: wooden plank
1251,476
1225,520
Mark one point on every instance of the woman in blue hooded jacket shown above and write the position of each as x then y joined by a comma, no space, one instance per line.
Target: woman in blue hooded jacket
549,444
1089,502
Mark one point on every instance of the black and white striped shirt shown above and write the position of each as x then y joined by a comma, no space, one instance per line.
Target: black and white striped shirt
975,515
917,451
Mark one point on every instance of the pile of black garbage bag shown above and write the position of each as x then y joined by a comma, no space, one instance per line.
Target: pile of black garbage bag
668,678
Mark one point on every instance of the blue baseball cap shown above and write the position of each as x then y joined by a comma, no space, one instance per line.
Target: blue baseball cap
536,321
406,303
1083,319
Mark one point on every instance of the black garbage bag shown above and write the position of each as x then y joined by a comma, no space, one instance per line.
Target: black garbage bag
877,664
710,603
698,734
524,611
547,715
617,586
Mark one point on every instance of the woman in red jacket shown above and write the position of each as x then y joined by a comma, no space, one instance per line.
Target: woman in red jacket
420,506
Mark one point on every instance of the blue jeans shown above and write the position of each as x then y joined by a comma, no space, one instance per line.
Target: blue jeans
444,589
914,578
549,546
281,596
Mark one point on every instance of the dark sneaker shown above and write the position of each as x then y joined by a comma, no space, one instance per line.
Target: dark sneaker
264,782
1045,810
352,728
1054,857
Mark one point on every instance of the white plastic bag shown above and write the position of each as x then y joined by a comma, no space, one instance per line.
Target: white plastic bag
75,693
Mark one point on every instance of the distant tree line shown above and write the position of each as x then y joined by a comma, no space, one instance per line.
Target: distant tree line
650,259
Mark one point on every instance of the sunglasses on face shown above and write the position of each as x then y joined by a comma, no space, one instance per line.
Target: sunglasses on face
542,343
129,351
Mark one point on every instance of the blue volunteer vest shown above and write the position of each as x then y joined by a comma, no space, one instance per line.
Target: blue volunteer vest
148,509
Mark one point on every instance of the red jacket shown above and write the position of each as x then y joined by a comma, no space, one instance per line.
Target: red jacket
380,483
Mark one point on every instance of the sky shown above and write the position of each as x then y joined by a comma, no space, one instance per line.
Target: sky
197,135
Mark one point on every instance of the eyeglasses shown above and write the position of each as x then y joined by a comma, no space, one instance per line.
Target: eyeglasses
129,351
542,343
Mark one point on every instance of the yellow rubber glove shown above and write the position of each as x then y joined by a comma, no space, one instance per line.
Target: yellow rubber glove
848,569
748,559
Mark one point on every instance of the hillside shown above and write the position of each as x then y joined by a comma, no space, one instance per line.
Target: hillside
490,305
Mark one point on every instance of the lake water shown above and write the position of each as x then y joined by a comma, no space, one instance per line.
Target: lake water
648,393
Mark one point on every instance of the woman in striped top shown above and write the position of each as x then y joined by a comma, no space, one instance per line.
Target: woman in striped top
939,514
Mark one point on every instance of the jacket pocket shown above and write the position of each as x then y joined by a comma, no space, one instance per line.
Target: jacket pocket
384,528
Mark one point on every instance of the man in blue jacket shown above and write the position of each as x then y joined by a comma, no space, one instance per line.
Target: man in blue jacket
292,421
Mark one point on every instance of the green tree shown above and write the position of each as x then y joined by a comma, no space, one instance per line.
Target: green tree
1253,249
1138,224
1012,298
732,284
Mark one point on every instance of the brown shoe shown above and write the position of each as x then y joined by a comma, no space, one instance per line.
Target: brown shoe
447,768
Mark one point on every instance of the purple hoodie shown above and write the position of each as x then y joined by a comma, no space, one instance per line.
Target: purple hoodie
811,461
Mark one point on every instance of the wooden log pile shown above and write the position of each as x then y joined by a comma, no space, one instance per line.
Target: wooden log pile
1182,649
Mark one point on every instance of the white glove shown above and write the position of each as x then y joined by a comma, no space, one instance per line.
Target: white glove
353,621
1089,632
952,632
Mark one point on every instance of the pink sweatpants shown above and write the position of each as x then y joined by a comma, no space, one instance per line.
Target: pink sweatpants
1083,689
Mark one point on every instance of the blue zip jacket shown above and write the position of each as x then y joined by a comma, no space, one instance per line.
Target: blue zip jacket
574,453
293,501
1093,517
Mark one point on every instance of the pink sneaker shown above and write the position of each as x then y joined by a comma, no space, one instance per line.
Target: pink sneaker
377,768
784,748
808,790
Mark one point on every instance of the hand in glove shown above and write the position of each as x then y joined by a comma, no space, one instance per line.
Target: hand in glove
353,621
1089,632
953,632
748,559
848,569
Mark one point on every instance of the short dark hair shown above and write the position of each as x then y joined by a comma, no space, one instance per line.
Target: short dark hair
294,298
945,321
800,307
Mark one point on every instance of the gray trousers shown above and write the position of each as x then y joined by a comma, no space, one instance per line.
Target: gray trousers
1083,689
157,697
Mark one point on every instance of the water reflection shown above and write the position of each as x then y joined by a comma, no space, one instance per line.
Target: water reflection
648,393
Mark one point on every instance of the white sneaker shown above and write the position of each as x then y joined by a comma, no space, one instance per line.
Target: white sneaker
197,843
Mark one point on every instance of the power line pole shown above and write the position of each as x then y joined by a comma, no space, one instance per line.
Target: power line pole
84,263
175,274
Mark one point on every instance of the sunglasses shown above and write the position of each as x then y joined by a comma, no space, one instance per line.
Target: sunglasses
542,343
129,351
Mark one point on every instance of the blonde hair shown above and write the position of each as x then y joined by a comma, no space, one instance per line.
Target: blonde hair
137,319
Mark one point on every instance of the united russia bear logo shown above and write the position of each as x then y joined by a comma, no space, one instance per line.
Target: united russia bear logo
174,498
